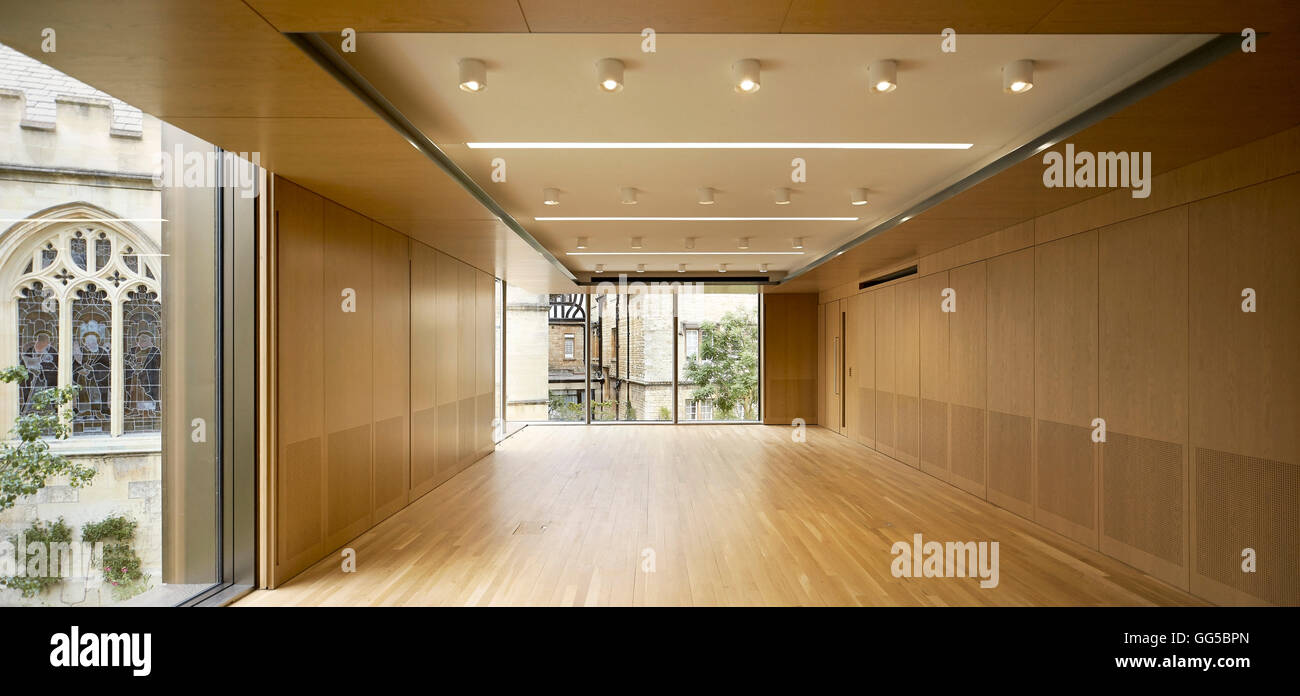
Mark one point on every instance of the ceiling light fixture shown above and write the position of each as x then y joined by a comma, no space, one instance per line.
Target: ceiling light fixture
860,196
742,243
551,196
636,242
628,195
705,195
473,75
575,145
693,219
600,268
640,268
609,74
744,74
796,243
781,196
683,253
1018,76
582,243
762,268
882,76
722,268
681,268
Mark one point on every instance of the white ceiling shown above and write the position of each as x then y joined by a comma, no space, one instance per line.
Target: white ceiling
542,87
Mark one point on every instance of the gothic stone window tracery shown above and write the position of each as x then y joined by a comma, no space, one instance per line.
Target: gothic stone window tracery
88,313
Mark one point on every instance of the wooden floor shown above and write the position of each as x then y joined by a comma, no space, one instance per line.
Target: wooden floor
733,515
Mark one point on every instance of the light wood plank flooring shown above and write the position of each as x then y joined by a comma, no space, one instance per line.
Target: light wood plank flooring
733,514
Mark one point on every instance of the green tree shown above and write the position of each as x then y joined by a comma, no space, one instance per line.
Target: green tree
26,461
725,369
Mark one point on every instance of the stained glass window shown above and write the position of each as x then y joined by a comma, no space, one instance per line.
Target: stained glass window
38,342
142,345
92,359
103,250
78,247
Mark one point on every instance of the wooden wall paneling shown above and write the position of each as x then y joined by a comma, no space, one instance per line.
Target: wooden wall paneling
391,353
485,372
862,328
791,346
1142,393
907,379
447,350
967,365
932,326
300,477
885,348
1245,393
832,412
467,302
823,368
1009,311
850,393
1065,386
426,367
349,374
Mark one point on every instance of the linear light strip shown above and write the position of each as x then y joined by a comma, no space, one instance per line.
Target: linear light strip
715,146
684,253
696,219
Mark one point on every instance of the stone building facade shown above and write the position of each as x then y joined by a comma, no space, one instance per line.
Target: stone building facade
76,169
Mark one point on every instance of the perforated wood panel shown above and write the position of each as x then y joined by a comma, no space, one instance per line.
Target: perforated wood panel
866,416
1010,459
885,421
967,443
391,468
908,428
465,433
934,437
299,509
348,491
448,454
1245,502
1066,476
424,450
1142,494
483,423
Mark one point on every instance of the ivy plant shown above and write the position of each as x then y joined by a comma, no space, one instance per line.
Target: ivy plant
26,461
121,564
35,581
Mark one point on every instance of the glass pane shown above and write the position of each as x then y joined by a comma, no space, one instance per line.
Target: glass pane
632,354
78,247
142,341
718,373
92,359
499,301
38,342
542,384
48,254
103,250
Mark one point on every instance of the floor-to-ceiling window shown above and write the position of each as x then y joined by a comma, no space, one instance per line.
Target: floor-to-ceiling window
653,353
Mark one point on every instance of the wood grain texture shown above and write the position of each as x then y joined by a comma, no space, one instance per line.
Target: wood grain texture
886,346
833,349
790,364
968,372
907,379
861,395
1010,354
425,369
736,515
392,369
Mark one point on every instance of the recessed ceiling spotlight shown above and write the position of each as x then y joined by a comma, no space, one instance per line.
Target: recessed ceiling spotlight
781,196
796,243
882,76
628,195
636,242
860,196
705,195
742,243
681,268
690,242
722,268
582,243
473,75
600,268
1018,76
551,196
609,74
762,268
745,75
640,268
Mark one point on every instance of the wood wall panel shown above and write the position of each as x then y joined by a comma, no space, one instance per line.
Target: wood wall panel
484,360
935,387
907,377
1009,339
391,353
1065,385
886,346
1245,393
862,344
1142,393
300,476
348,373
832,410
968,370
425,369
790,363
